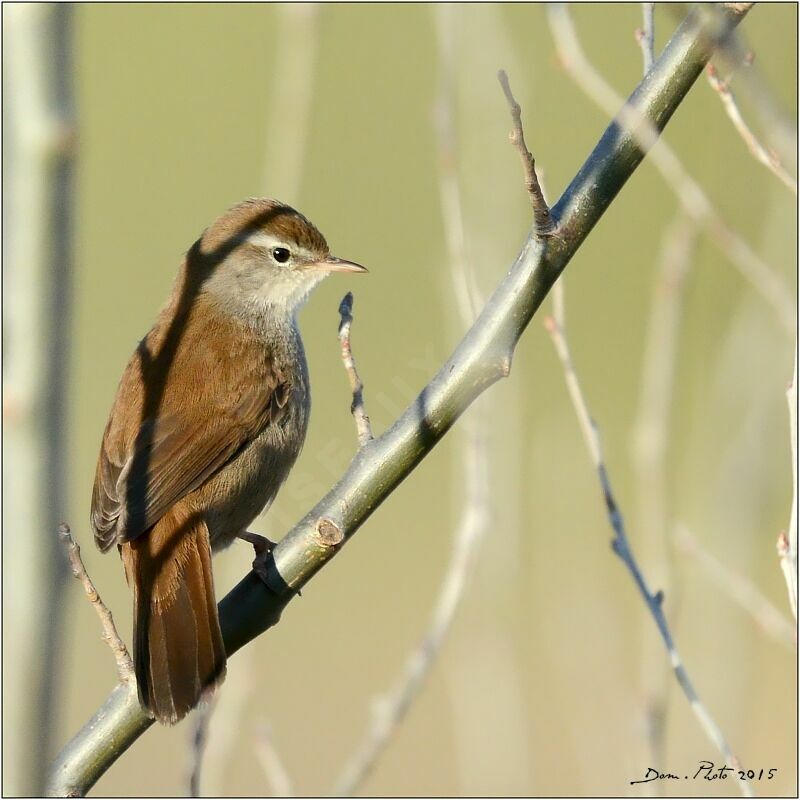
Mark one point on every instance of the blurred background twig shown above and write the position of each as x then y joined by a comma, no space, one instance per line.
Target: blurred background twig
37,257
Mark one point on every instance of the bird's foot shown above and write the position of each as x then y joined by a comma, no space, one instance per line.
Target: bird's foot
263,548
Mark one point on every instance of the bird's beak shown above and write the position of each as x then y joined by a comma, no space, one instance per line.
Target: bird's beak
333,264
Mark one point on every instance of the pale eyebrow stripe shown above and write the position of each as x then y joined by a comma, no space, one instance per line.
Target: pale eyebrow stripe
262,239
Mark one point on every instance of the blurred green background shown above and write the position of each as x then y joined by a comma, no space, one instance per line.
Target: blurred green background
544,680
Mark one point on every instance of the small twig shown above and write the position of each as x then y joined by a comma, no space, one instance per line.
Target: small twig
653,600
769,159
110,635
739,589
542,219
787,542
357,407
199,741
646,36
280,783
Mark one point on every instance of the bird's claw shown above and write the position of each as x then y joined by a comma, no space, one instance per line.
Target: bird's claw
263,548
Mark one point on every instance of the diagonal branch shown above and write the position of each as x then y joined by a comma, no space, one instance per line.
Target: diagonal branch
481,358
621,546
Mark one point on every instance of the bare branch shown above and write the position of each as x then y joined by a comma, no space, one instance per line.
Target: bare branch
542,219
778,127
110,635
357,408
621,546
759,152
689,193
646,36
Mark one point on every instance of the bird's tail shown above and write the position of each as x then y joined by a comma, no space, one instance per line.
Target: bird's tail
177,643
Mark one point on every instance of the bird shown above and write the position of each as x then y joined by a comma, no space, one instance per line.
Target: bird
209,417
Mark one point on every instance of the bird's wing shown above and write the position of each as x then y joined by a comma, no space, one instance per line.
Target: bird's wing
151,459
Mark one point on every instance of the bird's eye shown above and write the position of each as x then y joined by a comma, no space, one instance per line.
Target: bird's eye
281,254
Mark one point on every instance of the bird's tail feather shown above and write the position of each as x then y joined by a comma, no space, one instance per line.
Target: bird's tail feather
177,643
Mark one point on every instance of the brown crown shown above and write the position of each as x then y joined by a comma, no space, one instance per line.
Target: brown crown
270,216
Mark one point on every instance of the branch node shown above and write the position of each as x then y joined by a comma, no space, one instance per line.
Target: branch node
328,532
542,219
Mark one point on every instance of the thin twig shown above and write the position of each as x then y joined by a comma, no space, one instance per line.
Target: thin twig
199,742
621,546
110,635
646,36
778,127
280,782
542,219
787,542
739,589
769,159
390,710
689,193
357,407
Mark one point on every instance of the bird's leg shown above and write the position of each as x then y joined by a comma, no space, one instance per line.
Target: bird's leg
263,548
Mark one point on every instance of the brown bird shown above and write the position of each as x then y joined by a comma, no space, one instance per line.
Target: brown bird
209,417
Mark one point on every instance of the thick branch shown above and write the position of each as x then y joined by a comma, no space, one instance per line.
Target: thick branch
482,357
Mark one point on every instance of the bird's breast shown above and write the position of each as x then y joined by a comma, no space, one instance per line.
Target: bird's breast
242,489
